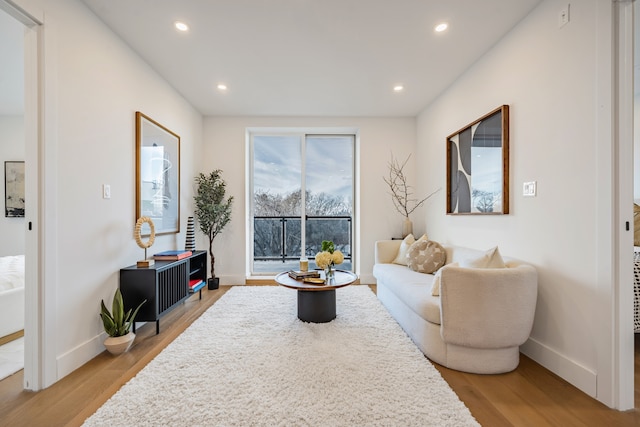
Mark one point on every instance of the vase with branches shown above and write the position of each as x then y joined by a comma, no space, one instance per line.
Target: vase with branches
212,210
402,193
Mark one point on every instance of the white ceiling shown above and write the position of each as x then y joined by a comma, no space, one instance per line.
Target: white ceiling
307,57
311,57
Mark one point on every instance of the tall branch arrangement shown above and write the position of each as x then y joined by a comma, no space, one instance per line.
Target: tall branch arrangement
400,191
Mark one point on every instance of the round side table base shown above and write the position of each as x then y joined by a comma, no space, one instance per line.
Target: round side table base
317,306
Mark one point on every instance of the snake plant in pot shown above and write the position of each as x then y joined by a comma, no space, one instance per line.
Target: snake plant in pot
117,324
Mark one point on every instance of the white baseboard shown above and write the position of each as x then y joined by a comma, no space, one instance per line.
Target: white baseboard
580,376
367,279
78,356
233,280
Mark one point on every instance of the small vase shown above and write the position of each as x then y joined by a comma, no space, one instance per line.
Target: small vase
190,240
407,227
329,273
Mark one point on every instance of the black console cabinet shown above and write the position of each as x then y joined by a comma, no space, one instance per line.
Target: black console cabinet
164,285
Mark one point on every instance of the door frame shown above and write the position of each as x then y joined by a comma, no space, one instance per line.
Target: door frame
39,324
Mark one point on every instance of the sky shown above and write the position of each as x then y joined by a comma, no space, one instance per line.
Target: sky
277,164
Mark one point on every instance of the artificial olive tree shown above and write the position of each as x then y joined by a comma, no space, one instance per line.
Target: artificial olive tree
212,211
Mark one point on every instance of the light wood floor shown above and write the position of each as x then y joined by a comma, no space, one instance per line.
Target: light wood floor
529,396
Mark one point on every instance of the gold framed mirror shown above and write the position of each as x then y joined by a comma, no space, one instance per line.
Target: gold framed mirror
157,174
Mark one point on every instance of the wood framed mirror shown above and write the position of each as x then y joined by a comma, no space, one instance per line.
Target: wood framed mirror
157,174
478,166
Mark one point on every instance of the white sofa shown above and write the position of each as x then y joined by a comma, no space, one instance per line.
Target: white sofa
479,320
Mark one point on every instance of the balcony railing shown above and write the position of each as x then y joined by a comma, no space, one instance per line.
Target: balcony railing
278,238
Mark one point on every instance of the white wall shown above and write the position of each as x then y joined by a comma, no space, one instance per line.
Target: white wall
225,148
636,143
11,149
97,83
548,76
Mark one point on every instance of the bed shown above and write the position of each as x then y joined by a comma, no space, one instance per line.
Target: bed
11,294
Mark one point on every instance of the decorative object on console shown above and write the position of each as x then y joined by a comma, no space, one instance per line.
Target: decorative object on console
14,189
117,324
328,258
137,234
172,255
190,240
157,174
213,212
402,194
478,166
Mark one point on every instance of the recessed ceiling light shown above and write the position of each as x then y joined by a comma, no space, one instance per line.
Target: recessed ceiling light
398,88
222,87
441,27
181,26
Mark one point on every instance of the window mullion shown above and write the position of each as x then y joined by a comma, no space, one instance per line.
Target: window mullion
303,196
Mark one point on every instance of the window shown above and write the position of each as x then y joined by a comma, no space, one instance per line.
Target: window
302,193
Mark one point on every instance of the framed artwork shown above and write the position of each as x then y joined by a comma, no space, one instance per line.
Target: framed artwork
157,174
14,189
478,166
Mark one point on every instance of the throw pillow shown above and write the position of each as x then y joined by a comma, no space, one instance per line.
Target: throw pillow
435,287
401,258
426,256
490,259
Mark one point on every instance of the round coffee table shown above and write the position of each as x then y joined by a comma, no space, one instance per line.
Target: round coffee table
317,303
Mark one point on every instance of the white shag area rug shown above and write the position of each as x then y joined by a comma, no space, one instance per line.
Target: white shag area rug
249,361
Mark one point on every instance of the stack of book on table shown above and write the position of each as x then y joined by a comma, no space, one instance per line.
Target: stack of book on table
195,285
301,275
172,255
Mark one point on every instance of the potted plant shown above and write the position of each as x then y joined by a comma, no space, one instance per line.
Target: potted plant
402,194
117,324
212,211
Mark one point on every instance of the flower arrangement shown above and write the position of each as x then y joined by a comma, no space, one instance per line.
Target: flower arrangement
328,257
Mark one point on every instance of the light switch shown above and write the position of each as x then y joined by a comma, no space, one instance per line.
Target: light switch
529,189
106,191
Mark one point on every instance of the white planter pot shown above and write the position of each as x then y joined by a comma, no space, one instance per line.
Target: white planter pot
118,345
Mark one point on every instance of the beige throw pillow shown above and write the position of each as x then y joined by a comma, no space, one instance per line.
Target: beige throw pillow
426,256
435,287
401,258
490,259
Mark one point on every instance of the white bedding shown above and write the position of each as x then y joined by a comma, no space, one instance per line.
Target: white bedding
11,294
11,272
